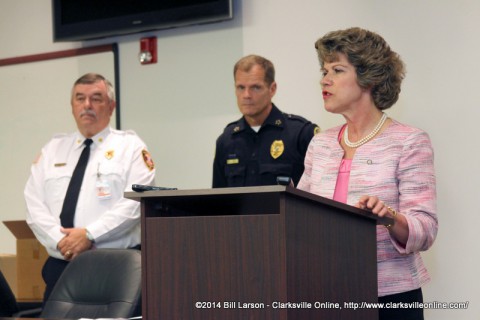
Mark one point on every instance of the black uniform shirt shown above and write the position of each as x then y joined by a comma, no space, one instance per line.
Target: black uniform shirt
244,157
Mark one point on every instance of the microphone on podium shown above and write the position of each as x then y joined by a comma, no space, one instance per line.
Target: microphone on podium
285,181
142,188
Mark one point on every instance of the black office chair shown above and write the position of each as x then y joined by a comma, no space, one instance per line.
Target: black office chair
103,283
8,303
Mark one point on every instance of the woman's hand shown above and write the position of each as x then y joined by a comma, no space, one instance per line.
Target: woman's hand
375,205
399,230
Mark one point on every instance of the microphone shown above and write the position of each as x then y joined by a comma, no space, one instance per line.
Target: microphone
142,187
284,181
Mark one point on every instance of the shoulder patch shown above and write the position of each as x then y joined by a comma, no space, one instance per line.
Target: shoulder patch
37,158
147,158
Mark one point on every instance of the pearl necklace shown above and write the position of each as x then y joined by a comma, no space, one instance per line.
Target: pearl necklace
367,137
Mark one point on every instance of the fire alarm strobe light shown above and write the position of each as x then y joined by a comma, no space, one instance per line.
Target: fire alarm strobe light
148,50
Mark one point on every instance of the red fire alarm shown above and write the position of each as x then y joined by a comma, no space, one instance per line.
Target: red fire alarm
148,50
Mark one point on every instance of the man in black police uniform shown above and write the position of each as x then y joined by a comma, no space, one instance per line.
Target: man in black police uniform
265,143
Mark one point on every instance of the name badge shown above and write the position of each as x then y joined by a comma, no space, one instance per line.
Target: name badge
103,189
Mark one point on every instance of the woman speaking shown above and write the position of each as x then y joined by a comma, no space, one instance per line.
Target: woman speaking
374,162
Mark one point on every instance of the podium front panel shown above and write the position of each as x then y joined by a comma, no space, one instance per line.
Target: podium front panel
220,263
215,265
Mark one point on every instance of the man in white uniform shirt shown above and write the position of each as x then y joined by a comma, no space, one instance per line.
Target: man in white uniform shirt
103,218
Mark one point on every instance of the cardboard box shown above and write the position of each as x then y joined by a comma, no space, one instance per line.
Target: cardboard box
8,265
31,256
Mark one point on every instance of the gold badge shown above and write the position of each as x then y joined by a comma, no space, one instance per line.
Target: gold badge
147,158
109,154
277,148
232,161
236,129
316,130
278,122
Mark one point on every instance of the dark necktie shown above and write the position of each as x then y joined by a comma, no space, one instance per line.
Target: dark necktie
71,198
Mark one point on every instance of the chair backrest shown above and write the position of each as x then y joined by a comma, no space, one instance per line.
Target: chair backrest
102,283
8,302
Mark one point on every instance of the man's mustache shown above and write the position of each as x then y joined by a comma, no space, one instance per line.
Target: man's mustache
88,112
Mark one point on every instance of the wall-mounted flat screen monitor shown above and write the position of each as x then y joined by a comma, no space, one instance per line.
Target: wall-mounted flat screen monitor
75,20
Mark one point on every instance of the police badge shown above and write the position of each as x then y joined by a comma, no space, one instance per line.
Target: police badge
277,148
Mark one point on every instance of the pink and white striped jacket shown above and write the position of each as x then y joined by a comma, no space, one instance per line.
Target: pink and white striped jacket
396,166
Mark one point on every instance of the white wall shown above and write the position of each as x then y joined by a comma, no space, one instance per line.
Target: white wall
182,103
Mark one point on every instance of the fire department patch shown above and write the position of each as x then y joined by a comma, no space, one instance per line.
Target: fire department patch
147,158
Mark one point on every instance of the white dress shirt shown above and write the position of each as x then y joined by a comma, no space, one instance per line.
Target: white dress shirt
117,160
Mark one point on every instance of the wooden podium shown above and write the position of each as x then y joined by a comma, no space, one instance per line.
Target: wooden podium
270,252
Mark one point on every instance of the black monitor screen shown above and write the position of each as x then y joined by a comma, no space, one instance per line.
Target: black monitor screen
89,19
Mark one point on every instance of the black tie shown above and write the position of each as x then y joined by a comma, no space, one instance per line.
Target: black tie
71,198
